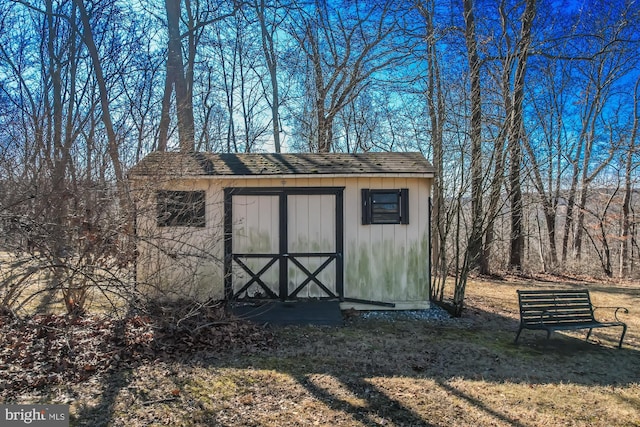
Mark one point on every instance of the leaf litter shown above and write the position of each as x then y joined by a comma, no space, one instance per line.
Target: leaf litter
48,349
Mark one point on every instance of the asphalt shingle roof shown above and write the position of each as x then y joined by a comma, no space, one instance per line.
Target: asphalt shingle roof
176,163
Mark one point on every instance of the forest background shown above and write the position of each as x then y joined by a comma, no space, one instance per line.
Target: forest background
529,111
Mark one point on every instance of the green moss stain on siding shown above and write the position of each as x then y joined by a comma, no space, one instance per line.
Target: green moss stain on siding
392,265
417,267
305,244
259,242
386,272
358,272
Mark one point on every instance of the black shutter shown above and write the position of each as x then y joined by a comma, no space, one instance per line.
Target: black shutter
404,206
366,207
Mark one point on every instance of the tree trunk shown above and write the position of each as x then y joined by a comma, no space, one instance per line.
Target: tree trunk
494,203
165,118
498,147
268,49
515,137
325,132
475,239
550,219
126,207
435,102
176,74
571,201
625,264
517,236
61,156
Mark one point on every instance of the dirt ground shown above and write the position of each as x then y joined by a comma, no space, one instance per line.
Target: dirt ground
373,371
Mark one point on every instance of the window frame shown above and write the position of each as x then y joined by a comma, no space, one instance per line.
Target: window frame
177,208
400,214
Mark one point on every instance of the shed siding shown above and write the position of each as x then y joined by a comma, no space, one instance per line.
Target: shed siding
178,262
381,262
387,262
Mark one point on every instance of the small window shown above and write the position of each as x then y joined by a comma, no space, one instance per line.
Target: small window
181,208
385,206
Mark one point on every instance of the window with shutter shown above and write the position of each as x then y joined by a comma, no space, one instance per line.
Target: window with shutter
385,206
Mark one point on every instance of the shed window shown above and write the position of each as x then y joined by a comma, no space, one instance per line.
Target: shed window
385,206
181,208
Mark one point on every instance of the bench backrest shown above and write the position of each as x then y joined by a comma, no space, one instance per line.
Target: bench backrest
555,307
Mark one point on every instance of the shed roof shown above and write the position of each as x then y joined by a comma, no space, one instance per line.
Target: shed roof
254,164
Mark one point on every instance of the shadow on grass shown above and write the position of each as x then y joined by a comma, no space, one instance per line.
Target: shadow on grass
479,404
478,348
378,409
102,414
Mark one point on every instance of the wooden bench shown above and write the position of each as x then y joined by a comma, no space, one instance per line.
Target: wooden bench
561,310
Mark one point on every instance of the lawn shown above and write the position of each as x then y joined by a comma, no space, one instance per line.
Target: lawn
387,371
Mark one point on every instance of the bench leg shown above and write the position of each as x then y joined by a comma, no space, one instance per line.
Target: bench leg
624,331
517,336
588,334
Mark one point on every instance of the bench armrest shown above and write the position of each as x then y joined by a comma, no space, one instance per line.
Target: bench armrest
615,313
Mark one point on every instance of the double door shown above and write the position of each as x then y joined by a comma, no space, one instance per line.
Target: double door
284,243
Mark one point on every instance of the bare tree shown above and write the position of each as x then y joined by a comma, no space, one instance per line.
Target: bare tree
55,235
180,73
516,130
268,27
630,166
607,56
176,80
436,110
474,248
344,49
545,155
113,145
601,240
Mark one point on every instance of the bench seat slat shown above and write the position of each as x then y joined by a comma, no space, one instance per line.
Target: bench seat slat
551,314
555,309
579,303
552,291
551,320
572,301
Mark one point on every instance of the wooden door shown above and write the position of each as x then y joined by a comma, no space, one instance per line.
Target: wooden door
283,243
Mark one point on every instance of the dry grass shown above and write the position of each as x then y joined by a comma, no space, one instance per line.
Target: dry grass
26,286
401,373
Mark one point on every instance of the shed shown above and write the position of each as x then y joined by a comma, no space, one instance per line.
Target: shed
348,227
